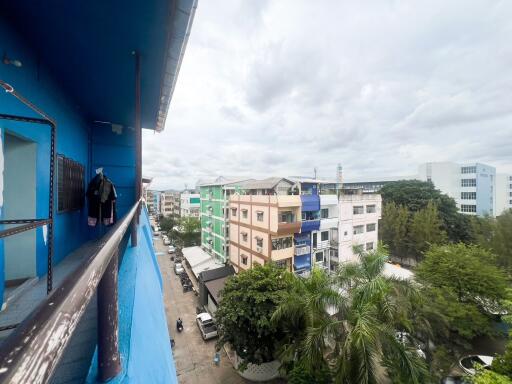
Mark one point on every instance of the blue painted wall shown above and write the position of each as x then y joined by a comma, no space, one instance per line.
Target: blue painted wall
36,84
144,345
114,150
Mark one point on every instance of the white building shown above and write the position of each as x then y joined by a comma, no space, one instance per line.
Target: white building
473,186
359,216
503,193
190,204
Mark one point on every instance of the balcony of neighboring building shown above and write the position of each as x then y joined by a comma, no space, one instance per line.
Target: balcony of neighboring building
282,248
288,221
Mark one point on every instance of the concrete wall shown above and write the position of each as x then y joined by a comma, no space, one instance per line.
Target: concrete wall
503,193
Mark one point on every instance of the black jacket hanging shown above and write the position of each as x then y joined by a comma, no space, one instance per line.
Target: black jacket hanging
101,198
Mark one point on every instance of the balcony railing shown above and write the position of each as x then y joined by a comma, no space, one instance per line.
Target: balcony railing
32,352
284,228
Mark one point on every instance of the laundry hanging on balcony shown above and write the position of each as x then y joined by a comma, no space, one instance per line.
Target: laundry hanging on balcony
101,198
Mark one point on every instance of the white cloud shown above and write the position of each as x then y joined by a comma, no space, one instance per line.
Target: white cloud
278,88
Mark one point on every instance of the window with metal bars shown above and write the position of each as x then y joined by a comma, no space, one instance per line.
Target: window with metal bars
70,184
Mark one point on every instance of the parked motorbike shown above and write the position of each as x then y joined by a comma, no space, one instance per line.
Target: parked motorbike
179,325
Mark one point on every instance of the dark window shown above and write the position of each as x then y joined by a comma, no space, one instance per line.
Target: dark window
244,213
324,213
70,184
358,210
370,227
324,236
244,260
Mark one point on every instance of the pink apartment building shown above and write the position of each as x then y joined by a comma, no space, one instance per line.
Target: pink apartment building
261,229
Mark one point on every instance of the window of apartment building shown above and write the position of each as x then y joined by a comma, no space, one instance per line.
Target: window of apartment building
468,182
286,217
281,264
358,229
371,208
358,210
244,259
468,169
259,215
369,246
510,193
244,236
468,195
324,236
244,213
282,243
359,248
233,212
510,202
345,233
370,227
310,215
259,241
319,256
467,208
324,213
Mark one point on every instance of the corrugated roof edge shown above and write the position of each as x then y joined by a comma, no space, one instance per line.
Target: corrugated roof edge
183,13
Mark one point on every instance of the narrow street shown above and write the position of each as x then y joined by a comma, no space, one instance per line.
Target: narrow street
193,357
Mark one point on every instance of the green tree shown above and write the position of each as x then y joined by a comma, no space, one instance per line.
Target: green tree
247,303
462,283
489,377
359,340
415,195
302,308
393,229
425,230
501,242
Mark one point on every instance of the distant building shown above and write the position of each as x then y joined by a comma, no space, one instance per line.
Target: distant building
473,186
190,204
170,203
214,201
372,185
503,193
359,215
153,201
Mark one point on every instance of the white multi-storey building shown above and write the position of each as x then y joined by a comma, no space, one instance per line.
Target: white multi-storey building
190,204
358,226
503,193
473,186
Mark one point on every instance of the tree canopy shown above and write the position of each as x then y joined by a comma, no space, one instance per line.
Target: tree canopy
247,303
462,284
415,195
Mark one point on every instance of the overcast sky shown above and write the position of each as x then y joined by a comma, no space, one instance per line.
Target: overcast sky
276,88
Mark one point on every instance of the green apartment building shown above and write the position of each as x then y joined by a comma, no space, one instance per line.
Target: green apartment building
214,216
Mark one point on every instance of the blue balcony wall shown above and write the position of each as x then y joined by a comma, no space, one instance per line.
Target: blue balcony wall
311,225
310,203
146,354
34,82
113,149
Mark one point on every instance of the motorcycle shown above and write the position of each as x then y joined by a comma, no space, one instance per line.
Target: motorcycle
179,325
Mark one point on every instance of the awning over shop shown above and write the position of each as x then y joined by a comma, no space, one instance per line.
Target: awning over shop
199,260
215,286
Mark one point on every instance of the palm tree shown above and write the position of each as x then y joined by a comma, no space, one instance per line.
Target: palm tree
349,323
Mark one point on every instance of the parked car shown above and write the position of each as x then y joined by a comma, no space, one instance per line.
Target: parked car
468,363
206,326
167,242
178,268
171,249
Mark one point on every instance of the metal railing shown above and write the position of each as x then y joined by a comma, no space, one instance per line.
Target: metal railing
32,352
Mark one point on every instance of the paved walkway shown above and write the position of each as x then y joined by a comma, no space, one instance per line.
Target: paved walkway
193,357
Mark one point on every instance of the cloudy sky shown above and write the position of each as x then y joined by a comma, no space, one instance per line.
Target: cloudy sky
281,87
